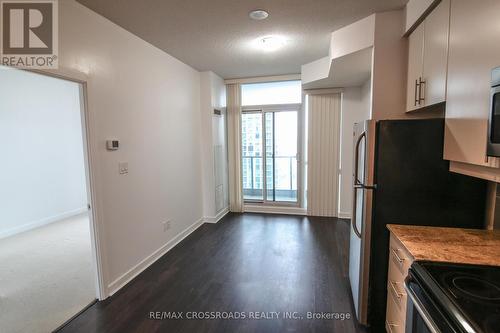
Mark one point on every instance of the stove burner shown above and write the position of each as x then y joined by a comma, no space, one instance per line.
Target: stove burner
477,288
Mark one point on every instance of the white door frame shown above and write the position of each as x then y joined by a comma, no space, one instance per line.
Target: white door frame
90,173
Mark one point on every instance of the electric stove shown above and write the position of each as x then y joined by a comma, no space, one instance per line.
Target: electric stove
445,297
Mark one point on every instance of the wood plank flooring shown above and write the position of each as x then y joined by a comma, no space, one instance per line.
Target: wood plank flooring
244,265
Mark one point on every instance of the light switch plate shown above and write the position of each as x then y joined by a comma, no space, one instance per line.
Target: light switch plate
123,168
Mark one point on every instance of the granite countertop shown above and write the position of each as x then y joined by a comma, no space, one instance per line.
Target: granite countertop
464,246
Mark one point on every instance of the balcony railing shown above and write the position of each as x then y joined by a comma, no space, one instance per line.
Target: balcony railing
253,186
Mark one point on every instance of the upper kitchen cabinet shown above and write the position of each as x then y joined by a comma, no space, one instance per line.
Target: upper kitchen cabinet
474,51
436,54
415,67
427,59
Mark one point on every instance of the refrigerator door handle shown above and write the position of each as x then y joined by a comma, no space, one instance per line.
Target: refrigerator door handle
354,211
356,159
357,184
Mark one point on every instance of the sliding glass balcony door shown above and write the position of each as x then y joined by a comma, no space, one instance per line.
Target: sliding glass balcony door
281,156
269,154
252,156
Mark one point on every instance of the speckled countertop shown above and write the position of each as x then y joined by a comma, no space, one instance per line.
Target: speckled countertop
465,246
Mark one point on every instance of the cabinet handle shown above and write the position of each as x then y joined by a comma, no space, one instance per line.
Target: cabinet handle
390,326
395,291
417,88
396,255
421,96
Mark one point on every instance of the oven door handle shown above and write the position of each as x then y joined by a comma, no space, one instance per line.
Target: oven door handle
431,325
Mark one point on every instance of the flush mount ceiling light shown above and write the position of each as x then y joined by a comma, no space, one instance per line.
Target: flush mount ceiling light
270,43
258,14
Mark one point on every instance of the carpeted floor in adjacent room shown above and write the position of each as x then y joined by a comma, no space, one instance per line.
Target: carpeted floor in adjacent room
46,276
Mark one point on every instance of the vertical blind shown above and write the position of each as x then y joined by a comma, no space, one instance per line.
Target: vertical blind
234,147
323,154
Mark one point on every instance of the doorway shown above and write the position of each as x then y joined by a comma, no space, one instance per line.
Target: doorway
47,247
270,143
269,154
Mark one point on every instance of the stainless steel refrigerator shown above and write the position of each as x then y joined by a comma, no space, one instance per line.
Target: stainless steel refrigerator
400,177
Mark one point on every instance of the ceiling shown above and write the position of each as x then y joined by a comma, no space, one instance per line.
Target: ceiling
218,35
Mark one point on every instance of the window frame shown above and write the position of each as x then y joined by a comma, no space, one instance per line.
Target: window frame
267,82
273,108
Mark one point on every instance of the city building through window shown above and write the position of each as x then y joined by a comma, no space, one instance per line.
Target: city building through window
269,136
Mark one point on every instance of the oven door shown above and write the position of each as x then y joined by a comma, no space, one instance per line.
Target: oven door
422,314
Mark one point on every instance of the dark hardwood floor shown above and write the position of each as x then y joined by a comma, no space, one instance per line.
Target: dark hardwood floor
244,265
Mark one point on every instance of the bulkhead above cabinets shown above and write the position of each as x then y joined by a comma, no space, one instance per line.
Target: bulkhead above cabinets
349,62
372,51
416,11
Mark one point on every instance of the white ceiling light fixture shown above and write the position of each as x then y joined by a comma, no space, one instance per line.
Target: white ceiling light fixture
258,14
270,43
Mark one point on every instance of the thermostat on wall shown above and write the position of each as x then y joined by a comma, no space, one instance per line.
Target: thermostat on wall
112,144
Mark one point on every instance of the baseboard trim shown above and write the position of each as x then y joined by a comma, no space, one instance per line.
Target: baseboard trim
128,276
42,222
344,215
217,218
275,210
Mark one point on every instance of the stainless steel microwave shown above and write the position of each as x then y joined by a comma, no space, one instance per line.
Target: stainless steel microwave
494,120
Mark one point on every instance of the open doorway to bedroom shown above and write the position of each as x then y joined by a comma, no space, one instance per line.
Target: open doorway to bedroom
47,270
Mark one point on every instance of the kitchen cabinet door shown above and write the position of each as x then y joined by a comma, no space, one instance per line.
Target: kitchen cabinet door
415,67
436,25
474,51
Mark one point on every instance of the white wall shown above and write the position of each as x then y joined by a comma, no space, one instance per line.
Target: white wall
213,146
356,103
150,101
42,173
